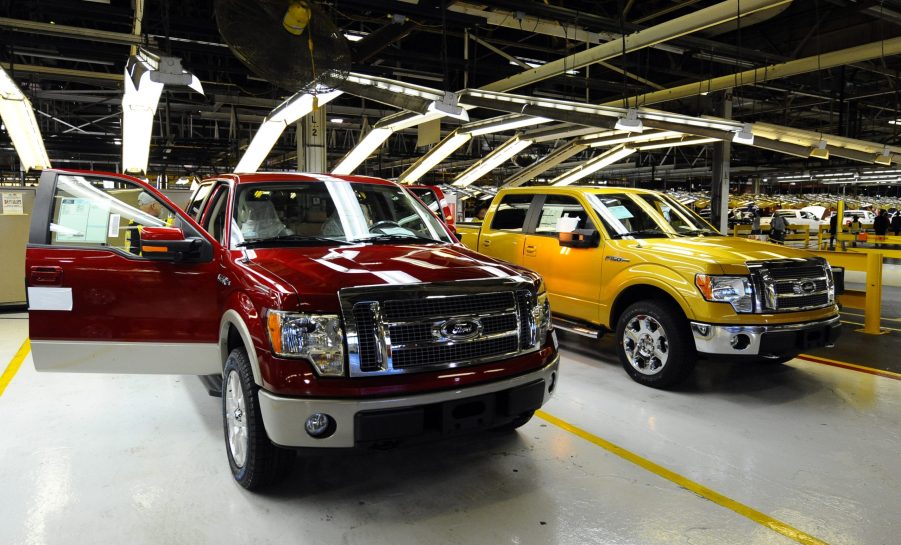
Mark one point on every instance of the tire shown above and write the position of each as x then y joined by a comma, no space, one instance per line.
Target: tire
517,422
654,343
255,462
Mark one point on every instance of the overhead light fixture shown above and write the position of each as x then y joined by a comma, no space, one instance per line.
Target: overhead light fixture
337,120
145,75
593,165
630,122
438,153
286,113
884,158
21,125
447,106
744,135
377,136
353,37
505,151
894,121
820,151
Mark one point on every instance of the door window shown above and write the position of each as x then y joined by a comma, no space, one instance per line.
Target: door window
511,212
91,211
562,213
195,206
214,221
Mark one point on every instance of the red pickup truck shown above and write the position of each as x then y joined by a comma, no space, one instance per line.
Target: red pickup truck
332,311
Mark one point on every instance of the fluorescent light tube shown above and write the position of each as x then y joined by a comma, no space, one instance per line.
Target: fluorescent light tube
500,154
286,113
430,160
678,143
362,150
18,118
502,123
593,165
631,139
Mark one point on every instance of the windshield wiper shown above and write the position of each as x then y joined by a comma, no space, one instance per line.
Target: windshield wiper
647,233
291,240
386,238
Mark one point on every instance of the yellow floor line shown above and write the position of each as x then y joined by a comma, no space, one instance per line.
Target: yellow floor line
850,366
14,365
700,490
862,325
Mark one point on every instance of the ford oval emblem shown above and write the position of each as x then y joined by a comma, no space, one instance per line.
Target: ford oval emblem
808,287
460,329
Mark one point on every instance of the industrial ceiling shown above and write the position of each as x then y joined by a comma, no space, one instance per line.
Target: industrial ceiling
68,57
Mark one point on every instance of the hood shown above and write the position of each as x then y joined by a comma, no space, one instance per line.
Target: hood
710,254
318,273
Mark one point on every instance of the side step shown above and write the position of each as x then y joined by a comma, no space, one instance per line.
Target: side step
579,328
213,384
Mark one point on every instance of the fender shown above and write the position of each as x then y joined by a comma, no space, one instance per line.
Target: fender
231,318
684,293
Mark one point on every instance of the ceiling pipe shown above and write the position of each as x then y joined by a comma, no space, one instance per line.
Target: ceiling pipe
668,30
66,31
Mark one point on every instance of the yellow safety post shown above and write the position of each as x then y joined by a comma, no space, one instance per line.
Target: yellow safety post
872,314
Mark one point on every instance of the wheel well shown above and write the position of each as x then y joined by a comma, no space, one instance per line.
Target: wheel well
633,294
234,340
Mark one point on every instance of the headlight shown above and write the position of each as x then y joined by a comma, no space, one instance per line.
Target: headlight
541,315
316,337
735,290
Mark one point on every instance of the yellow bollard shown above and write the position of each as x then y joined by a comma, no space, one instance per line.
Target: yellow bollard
872,314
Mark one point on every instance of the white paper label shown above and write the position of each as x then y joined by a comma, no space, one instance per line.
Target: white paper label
12,203
114,220
50,299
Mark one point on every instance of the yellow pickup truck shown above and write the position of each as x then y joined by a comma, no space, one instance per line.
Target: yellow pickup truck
642,265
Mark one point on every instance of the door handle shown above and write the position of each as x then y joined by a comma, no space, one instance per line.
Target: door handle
46,275
486,243
531,250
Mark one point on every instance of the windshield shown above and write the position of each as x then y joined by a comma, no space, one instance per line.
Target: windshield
428,197
336,212
624,217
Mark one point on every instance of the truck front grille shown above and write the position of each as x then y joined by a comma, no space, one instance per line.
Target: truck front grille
793,285
435,326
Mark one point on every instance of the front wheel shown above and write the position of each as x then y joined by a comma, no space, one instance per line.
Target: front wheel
255,462
655,345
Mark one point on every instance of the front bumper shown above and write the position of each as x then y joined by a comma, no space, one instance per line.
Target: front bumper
366,420
764,340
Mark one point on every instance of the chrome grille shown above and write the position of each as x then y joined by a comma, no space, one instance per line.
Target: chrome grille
793,285
434,326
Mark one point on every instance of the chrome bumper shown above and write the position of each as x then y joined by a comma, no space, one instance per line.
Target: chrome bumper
764,340
284,417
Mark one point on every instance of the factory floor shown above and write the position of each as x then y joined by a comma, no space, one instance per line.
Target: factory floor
806,452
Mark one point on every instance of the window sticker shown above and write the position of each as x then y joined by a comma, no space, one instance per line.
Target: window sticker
566,224
114,220
620,212
84,220
549,219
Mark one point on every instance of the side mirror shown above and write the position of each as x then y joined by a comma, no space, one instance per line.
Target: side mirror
580,238
170,244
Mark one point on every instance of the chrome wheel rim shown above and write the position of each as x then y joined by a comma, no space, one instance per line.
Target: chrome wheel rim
646,344
236,419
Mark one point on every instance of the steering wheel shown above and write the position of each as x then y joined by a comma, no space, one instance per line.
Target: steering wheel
380,225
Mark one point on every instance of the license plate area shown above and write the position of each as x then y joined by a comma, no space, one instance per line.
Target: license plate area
468,414
813,338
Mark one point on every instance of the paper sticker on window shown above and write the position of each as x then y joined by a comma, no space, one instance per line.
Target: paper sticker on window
549,219
114,220
620,212
83,220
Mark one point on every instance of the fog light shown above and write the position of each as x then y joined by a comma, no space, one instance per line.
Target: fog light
320,425
740,342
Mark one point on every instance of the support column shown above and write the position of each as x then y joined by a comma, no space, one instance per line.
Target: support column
719,190
312,142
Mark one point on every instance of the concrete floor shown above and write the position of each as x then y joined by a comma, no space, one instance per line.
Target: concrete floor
801,447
